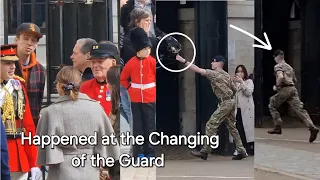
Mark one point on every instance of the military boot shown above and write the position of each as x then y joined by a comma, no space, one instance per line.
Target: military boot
199,154
313,134
276,130
240,156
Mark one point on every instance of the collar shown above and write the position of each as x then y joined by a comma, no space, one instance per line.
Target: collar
103,82
66,98
4,82
140,58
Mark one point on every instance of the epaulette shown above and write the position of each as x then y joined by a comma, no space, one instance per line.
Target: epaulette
19,78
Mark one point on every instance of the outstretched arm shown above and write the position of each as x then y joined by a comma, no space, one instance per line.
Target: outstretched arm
193,67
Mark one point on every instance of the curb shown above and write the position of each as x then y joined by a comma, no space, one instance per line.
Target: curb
297,176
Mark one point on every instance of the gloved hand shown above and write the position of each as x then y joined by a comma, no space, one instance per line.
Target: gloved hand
35,173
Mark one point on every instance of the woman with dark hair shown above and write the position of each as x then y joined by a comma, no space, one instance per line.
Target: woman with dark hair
245,107
113,79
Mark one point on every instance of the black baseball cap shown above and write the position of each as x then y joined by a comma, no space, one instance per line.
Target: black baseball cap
29,28
103,50
219,58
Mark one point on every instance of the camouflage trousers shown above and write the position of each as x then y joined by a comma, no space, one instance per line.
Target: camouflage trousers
225,112
291,96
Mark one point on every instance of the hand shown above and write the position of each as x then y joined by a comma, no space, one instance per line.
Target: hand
238,79
234,79
180,59
146,27
275,88
36,173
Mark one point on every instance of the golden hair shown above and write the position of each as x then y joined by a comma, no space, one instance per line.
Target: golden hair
69,80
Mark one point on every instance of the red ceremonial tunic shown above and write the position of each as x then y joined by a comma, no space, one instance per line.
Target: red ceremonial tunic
23,157
98,92
143,79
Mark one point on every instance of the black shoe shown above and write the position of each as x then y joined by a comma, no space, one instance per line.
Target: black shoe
250,150
239,157
199,154
313,134
276,130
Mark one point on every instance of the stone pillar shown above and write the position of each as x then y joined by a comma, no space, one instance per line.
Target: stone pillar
294,54
187,88
240,50
115,17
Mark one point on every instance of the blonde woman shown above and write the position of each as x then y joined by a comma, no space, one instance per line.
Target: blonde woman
75,114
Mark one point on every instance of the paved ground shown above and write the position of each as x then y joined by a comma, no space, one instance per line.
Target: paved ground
267,175
216,167
289,154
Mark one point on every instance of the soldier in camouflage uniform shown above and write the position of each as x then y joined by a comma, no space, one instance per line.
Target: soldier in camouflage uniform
287,92
224,89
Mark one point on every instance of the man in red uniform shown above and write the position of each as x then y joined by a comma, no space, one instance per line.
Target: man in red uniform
17,119
102,57
141,69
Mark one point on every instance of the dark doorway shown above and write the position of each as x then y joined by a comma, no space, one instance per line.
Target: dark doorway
275,24
281,21
167,82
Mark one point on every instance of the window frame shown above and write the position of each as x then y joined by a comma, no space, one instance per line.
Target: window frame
19,5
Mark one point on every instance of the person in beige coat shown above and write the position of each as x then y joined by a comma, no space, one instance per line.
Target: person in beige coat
245,107
73,113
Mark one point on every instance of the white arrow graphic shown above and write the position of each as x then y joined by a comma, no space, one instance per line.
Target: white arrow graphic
264,45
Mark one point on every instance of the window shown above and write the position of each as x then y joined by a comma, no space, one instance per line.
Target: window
20,11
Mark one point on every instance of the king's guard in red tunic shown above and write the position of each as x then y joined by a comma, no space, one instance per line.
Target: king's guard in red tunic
17,118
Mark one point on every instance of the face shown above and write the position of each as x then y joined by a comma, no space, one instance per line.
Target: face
100,67
27,43
123,2
240,72
143,22
277,58
7,70
145,52
214,64
78,58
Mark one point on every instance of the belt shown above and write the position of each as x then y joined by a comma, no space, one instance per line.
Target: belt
224,99
14,136
143,86
286,85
